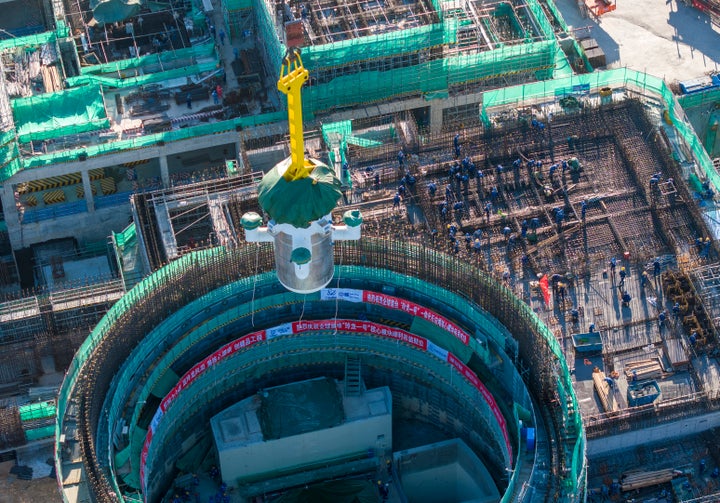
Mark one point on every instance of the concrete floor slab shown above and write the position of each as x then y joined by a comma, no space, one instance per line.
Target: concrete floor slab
665,38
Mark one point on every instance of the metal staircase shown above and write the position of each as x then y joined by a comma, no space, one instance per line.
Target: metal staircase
353,379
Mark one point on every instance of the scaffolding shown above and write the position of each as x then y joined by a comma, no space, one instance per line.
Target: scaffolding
178,284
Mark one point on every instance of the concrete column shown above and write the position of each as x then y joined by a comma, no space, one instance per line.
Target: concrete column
164,172
436,116
87,187
12,220
238,156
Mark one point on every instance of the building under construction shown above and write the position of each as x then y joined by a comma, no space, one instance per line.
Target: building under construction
535,288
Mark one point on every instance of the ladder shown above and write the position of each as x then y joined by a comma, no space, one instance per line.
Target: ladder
353,380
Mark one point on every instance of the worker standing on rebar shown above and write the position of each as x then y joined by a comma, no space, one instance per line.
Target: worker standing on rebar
214,95
583,209
396,200
401,158
575,314
656,267
626,299
623,274
456,145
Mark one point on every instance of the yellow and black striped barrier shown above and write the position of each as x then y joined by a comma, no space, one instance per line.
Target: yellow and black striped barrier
54,196
107,185
52,182
132,164
80,191
96,174
30,201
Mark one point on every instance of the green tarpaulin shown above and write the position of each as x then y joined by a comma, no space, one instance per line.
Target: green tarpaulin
63,113
112,11
37,411
301,201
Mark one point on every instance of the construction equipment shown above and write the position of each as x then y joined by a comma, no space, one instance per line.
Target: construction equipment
299,195
292,77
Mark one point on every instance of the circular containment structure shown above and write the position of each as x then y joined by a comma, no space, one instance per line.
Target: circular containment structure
215,328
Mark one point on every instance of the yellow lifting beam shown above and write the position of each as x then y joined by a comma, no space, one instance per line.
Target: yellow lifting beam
292,76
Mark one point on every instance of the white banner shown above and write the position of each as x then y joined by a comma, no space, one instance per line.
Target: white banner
437,351
347,294
284,329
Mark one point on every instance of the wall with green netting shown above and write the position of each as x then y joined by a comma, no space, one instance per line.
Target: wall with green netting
72,111
220,309
149,69
401,256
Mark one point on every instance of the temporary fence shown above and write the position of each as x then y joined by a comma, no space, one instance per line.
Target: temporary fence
196,274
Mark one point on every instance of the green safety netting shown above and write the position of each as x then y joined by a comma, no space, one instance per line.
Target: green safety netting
335,135
710,96
164,58
38,433
150,68
112,11
238,4
273,48
122,457
126,237
72,111
37,411
149,140
61,28
379,46
28,40
9,153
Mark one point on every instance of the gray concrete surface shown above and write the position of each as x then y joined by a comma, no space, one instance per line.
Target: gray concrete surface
665,38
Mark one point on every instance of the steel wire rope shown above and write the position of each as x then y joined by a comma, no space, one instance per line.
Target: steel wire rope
337,296
255,275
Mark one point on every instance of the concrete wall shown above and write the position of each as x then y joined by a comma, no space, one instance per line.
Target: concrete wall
94,225
250,461
660,433
84,226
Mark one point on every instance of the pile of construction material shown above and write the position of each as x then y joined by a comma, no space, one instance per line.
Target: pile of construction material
642,370
631,481
605,390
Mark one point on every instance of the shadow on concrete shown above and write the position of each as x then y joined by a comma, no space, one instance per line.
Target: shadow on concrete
588,27
693,28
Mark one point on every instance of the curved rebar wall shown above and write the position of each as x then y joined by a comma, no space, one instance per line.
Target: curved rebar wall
193,276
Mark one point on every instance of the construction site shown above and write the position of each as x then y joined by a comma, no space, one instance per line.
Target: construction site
535,292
